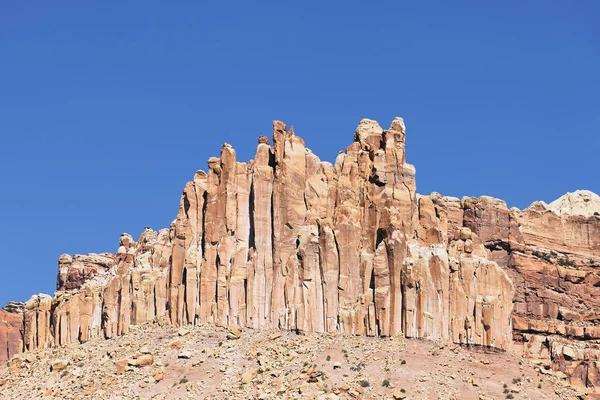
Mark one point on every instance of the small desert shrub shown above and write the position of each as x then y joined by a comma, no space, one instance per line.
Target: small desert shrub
328,358
183,380
403,362
565,262
544,256
365,383
385,383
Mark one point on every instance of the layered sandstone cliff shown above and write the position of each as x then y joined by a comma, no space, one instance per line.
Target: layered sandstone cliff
552,254
290,242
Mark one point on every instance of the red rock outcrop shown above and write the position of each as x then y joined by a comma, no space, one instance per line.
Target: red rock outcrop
11,341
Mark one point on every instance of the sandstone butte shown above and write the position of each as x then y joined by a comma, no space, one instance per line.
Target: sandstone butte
289,242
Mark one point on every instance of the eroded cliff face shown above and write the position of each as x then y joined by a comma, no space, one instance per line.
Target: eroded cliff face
287,241
552,254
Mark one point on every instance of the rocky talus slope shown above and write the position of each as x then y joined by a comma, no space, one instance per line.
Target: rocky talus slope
208,362
289,242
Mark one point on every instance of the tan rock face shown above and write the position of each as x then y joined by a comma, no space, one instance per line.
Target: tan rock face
575,235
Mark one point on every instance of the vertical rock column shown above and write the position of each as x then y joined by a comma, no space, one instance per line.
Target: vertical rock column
260,278
347,230
241,232
289,212
312,279
36,323
213,217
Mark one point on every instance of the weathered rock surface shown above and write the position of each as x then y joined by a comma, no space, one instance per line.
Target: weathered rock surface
551,252
580,202
11,341
286,241
74,271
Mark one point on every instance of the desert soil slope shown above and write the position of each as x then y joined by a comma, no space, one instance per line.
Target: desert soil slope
206,362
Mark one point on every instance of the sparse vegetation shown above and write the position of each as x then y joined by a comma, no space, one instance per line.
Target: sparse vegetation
549,257
358,367
183,380
566,262
403,362
328,358
510,396
543,255
403,390
385,383
345,353
597,214
365,383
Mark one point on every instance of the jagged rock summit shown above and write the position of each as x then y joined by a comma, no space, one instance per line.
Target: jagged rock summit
286,241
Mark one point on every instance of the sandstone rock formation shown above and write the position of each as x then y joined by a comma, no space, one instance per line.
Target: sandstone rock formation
74,271
551,253
11,341
287,241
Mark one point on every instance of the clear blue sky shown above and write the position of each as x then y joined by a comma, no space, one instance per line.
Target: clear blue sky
107,109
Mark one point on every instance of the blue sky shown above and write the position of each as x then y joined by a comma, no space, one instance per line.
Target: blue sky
107,109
